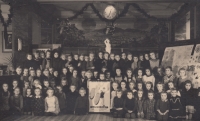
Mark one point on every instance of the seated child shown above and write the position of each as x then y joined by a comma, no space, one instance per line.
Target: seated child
130,105
5,96
71,99
16,102
162,107
101,77
149,107
44,89
37,103
75,79
61,99
108,76
176,111
82,103
170,87
147,89
132,87
129,76
123,88
26,86
118,78
118,104
149,77
160,88
15,84
27,101
113,92
139,103
51,103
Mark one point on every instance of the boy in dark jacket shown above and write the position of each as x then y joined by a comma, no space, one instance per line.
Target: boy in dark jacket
130,105
118,105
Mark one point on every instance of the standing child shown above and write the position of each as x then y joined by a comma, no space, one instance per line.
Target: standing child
140,103
147,89
24,77
46,63
162,107
114,92
31,78
134,65
132,87
16,102
176,111
149,106
26,86
71,99
61,99
63,61
37,84
82,63
39,75
170,88
130,105
5,96
140,86
56,61
51,103
37,103
118,77
64,73
27,101
182,78
75,79
90,62
118,104
188,97
64,85
56,77
14,86
82,103
83,80
149,77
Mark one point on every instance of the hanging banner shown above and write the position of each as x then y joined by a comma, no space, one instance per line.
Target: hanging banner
99,96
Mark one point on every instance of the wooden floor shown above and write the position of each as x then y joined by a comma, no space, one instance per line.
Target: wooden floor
89,117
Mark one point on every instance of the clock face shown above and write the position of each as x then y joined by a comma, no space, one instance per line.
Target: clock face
110,12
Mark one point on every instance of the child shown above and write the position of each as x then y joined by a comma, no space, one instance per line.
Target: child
129,60
158,76
37,103
182,78
149,77
69,61
82,103
39,75
108,76
149,106
154,62
139,76
123,63
47,61
26,86
123,88
75,61
30,63
134,65
162,107
64,85
64,73
56,77
118,78
116,63
86,58
160,88
37,84
101,77
37,59
51,103
83,80
118,105
141,63
99,62
89,77
90,62
27,102
114,93
61,99
103,69
140,86
132,87
46,75
16,102
5,96
25,76
139,103
71,99
169,76
63,61
129,76
170,87
146,61
31,77
130,106
44,89
176,108
75,79
82,63
111,61
51,70
147,89
96,75
53,85
14,86
188,97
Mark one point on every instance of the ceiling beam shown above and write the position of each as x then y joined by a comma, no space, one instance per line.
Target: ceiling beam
158,1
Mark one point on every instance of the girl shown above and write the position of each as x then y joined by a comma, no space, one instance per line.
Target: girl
27,102
63,61
37,84
158,75
26,86
56,77
51,103
96,75
24,77
108,76
31,78
82,62
123,88
176,108
39,75
47,61
140,102
14,86
169,76
129,76
149,106
61,99
149,87
146,61
37,104
5,96
16,102
75,79
140,86
89,77
182,78
83,80
64,73
149,77
139,76
118,104
132,87
118,78
56,61
45,88
160,88
82,103
113,92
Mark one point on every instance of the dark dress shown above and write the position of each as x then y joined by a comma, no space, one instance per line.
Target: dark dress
71,100
37,105
176,110
27,103
163,106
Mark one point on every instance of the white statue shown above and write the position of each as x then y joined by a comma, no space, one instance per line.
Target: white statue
108,46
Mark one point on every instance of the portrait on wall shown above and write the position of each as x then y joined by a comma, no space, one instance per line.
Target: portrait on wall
7,45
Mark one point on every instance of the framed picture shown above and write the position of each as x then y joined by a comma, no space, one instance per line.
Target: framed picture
7,45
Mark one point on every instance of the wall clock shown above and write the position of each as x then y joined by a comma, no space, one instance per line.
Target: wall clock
110,12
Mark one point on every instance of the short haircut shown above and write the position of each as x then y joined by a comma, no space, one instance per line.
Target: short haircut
163,92
188,82
119,90
169,67
152,52
129,92
15,80
82,89
150,92
17,88
72,86
182,69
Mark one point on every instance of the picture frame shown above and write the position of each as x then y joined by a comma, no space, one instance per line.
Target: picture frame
7,45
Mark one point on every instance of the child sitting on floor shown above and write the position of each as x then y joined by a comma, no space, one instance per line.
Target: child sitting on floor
16,102
139,103
61,99
118,105
130,105
27,101
5,96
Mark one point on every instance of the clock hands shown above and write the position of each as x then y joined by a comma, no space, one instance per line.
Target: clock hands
109,13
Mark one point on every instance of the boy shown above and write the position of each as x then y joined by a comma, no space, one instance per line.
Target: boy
83,80
82,62
47,61
37,59
162,107
75,61
63,61
160,88
116,63
101,77
55,63
129,60
154,62
110,64
64,85
169,76
130,105
90,62
188,96
30,63
118,105
44,89
16,102
82,103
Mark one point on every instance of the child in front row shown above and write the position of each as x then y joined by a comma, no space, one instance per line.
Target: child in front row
16,102
27,101
61,99
130,105
139,103
149,106
82,103
51,103
5,95
37,103
118,105
162,107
